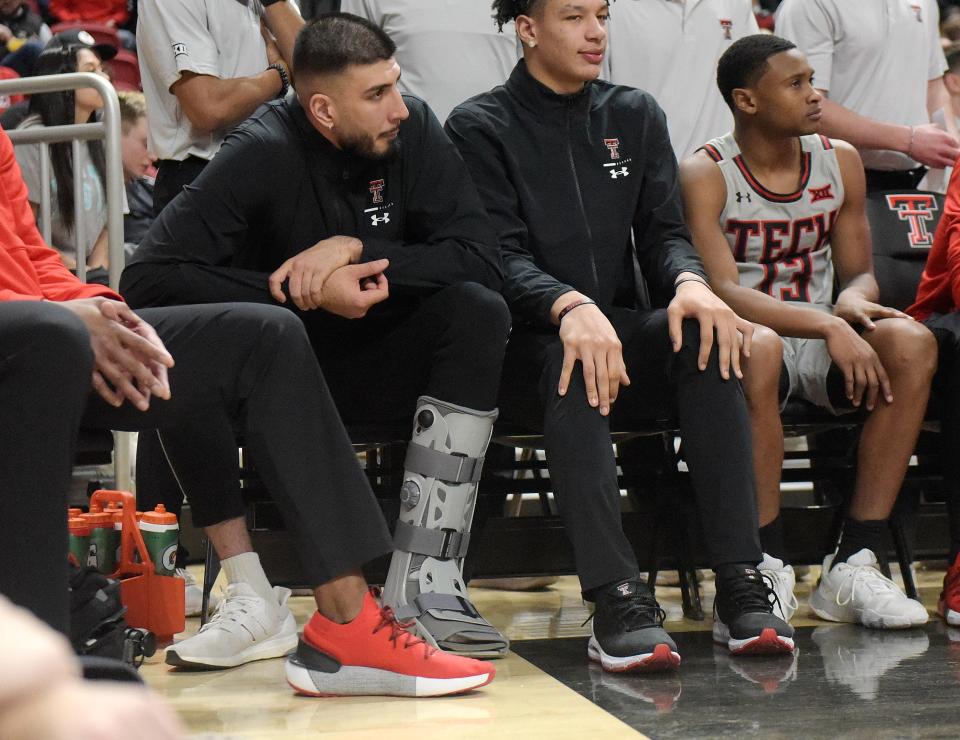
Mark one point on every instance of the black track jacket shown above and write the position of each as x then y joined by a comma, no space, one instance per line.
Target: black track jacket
277,187
567,180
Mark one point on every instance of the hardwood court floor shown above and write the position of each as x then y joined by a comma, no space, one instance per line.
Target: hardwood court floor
845,682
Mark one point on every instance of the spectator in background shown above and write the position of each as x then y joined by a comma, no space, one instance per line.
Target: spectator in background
448,51
938,178
670,50
881,74
23,34
108,12
63,56
137,163
206,65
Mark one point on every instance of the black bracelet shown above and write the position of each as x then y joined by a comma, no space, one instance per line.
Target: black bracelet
702,282
284,78
575,304
266,3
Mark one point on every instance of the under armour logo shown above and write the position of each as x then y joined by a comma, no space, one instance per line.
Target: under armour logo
824,193
624,589
377,220
622,172
727,26
614,146
743,197
917,209
376,189
179,49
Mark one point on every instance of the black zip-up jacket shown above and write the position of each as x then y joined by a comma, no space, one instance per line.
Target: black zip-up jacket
567,180
277,187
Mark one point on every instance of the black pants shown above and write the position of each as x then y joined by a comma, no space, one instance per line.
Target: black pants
239,368
946,396
878,180
713,421
172,176
450,346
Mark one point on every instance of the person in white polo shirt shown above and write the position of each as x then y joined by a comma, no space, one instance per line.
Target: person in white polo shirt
880,67
449,50
206,65
670,49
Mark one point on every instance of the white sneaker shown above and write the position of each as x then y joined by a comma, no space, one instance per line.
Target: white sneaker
193,594
782,581
856,591
243,628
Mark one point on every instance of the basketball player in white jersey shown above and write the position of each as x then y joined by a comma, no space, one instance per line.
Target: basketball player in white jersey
777,212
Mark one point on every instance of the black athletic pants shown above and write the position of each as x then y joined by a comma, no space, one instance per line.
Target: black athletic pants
449,347
239,368
713,421
172,176
946,391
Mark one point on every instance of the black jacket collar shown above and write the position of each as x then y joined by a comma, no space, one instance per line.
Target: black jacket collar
540,99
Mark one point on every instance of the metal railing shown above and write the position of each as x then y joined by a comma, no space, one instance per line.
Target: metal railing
107,131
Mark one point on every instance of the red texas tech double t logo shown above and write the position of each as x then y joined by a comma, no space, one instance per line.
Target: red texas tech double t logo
917,209
376,190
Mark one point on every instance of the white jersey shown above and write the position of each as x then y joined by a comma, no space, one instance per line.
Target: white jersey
781,241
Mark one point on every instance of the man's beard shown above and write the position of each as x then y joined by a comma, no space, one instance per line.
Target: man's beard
364,147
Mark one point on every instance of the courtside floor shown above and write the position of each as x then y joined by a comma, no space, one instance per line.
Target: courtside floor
844,682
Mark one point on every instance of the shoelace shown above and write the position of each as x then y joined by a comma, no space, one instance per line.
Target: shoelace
869,577
638,611
400,629
773,579
752,594
232,609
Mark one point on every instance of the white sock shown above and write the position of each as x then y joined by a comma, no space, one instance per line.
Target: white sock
246,568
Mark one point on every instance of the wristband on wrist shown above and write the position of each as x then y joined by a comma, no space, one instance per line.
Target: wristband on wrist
702,282
267,3
284,78
568,309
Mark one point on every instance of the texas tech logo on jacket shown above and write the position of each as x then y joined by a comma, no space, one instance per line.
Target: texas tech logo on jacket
781,241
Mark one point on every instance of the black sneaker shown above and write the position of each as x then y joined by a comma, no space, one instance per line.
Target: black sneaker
627,632
743,617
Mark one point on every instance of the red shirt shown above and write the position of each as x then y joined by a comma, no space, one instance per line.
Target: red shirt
110,12
29,269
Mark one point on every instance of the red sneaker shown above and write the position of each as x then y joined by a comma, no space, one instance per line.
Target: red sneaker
376,655
949,604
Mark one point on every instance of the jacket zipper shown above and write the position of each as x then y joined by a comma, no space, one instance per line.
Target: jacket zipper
583,210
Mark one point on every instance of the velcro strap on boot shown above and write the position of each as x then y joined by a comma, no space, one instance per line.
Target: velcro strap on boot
437,543
443,602
442,465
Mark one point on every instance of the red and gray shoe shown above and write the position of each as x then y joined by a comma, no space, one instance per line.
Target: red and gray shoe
743,614
627,633
375,655
949,603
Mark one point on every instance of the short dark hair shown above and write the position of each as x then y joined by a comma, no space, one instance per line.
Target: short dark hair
745,62
952,53
505,11
334,41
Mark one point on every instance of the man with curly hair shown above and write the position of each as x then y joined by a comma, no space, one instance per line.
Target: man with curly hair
580,180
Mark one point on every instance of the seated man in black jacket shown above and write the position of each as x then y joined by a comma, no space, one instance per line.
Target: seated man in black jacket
574,172
348,172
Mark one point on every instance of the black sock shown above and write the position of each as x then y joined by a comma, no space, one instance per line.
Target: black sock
771,539
858,535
